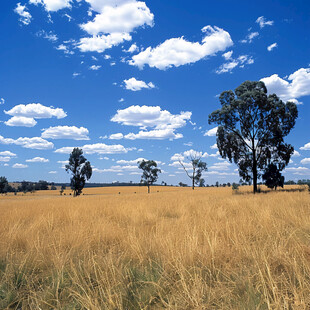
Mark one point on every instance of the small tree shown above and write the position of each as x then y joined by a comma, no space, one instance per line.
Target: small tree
150,172
3,185
273,177
80,169
197,167
202,182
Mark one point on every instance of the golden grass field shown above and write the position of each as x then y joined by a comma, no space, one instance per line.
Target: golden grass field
172,249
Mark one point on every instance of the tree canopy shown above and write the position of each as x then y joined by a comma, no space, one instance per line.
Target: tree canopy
251,129
272,177
150,172
80,169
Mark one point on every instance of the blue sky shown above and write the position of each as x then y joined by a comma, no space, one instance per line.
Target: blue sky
128,79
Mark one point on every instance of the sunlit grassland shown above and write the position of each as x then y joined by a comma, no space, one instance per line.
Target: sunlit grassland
173,249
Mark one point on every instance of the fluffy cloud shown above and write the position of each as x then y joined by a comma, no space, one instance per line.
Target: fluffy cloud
263,22
136,85
19,166
37,111
162,122
65,132
272,46
24,15
293,87
211,133
296,154
37,160
306,147
29,143
21,121
114,23
133,48
98,148
150,116
120,19
227,55
7,153
2,101
52,5
100,43
305,161
178,51
116,136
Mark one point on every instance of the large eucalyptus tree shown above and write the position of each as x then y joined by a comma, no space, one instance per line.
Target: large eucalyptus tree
251,129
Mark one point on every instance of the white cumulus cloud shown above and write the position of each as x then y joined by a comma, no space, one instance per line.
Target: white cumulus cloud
178,51
211,132
36,110
65,132
136,85
21,121
19,166
30,143
306,147
291,88
120,19
52,5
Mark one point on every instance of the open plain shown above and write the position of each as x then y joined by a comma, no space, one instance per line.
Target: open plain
172,249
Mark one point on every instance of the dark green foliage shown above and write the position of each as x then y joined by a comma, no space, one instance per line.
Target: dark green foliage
273,177
198,167
41,185
150,172
202,182
3,184
26,187
80,169
235,186
252,127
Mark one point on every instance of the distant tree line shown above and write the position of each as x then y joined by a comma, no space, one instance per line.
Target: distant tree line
25,186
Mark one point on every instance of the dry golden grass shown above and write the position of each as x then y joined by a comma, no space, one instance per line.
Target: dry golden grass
172,249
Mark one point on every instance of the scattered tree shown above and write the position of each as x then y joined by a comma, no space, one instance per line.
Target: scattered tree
197,168
80,169
202,182
273,177
150,172
252,127
3,185
181,184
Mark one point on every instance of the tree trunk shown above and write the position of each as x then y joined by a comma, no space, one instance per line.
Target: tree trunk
254,173
193,185
148,188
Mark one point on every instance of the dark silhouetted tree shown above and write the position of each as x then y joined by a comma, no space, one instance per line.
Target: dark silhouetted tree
197,167
3,185
80,169
272,177
252,127
150,172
